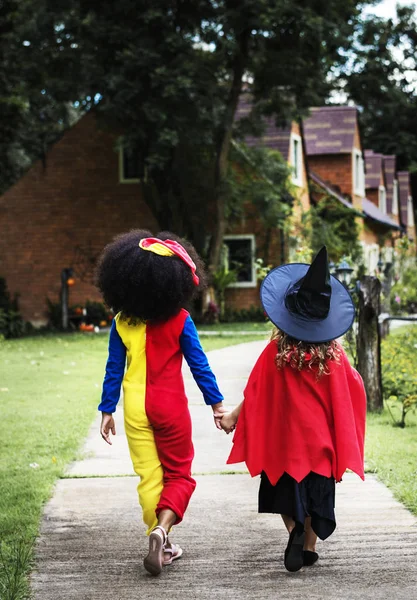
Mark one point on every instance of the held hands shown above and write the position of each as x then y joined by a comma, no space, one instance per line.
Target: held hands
224,419
107,425
218,411
228,422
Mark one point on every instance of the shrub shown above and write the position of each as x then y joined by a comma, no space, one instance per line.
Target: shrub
11,323
404,292
399,375
254,314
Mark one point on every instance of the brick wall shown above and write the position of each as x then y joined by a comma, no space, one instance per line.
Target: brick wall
63,215
333,168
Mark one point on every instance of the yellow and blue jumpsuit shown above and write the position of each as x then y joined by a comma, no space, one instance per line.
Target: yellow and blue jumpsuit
156,414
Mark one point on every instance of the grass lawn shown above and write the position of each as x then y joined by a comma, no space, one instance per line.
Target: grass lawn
49,392
391,452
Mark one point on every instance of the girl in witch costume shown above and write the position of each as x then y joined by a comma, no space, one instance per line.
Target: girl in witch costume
302,421
148,281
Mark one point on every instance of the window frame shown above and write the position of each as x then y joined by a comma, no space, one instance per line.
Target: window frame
358,179
252,238
297,177
395,203
123,179
410,212
382,199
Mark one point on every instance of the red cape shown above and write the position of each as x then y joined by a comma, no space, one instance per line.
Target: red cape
291,422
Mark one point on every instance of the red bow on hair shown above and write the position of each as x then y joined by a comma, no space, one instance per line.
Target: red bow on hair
168,248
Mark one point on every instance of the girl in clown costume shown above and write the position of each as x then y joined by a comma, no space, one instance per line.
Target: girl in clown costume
148,282
302,421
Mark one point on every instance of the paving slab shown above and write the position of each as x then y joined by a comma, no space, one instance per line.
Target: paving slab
92,539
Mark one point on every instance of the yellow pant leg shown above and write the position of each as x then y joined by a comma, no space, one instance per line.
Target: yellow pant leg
144,457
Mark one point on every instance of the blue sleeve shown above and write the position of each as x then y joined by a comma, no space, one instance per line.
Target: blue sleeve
198,363
115,370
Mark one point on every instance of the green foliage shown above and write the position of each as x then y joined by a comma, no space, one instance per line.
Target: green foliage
15,561
169,77
96,312
221,279
254,314
262,177
331,223
11,322
399,374
380,83
390,453
403,298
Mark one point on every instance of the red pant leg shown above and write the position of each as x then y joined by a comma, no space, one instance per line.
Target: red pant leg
173,437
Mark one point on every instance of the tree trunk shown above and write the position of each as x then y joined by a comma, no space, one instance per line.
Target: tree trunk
223,149
369,342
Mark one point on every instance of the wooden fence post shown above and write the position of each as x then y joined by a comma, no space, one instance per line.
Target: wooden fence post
369,341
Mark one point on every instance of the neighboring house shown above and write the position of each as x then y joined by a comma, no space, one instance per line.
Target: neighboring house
391,187
248,239
63,213
406,204
336,161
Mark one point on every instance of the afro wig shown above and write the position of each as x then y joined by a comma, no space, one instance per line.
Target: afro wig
143,285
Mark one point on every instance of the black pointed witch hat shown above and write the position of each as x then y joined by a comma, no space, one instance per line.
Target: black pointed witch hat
306,302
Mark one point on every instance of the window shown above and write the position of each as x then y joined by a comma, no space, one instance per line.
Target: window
131,167
296,159
395,198
382,199
410,212
358,173
240,255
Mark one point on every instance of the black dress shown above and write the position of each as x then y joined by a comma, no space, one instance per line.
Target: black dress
313,497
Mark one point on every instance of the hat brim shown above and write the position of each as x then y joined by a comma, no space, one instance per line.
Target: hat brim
273,290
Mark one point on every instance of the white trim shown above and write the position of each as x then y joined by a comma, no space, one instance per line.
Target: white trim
297,177
358,181
251,237
395,197
382,199
410,212
121,165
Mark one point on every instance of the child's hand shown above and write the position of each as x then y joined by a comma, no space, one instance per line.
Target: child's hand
218,412
228,422
107,425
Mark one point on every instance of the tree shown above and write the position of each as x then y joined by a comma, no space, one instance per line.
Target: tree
169,75
382,81
34,107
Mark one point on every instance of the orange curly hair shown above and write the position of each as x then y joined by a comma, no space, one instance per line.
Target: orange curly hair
300,355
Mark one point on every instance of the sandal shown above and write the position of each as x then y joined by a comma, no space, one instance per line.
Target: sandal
294,555
175,551
153,562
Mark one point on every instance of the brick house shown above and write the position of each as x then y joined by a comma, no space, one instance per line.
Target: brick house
63,213
250,234
335,158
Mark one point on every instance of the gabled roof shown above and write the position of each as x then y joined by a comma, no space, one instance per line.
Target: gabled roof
273,137
403,193
330,130
329,189
389,164
373,169
372,212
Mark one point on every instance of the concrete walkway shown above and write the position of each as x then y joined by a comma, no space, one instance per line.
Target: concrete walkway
92,539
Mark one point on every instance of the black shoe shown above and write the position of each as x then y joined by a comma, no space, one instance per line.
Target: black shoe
309,558
294,554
